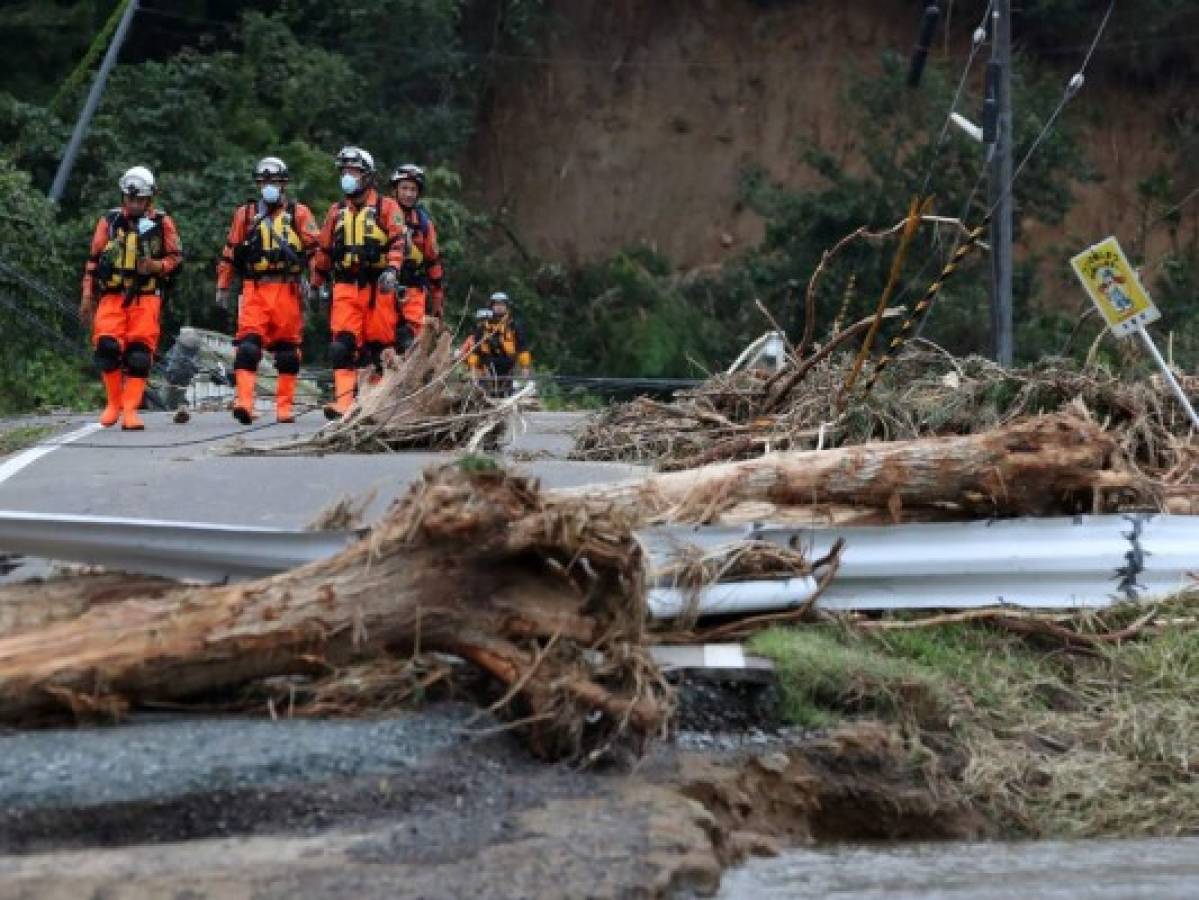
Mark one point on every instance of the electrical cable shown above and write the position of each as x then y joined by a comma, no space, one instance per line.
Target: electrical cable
579,380
41,326
976,44
39,288
1072,87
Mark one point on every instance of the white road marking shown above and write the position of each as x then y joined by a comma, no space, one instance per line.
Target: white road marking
33,454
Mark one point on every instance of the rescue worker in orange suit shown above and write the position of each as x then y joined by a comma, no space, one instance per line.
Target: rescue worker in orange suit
362,248
498,345
135,249
422,276
270,243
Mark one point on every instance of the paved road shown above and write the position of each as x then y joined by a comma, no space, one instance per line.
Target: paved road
183,472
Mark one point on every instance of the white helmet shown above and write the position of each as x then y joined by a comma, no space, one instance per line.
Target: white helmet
138,182
271,167
500,297
355,156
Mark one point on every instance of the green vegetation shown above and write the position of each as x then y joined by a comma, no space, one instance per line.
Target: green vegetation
207,86
823,677
1046,742
13,440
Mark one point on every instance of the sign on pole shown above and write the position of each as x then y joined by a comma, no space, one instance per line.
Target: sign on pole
1114,287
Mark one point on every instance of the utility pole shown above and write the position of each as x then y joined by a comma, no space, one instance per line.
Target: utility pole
93,100
999,87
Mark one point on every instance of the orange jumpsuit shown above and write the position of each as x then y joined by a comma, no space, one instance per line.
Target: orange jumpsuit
422,278
361,237
269,248
423,275
125,328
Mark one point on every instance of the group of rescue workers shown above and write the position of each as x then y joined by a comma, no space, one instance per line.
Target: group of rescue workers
378,252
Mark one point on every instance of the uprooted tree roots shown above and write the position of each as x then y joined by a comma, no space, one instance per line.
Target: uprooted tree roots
548,600
420,402
544,591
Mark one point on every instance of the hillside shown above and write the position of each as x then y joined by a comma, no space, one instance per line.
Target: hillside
632,123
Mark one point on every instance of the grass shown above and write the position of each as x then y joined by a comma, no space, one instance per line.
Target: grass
1045,742
555,398
824,677
15,439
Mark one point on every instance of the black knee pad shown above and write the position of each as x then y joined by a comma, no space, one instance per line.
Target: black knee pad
342,350
404,337
108,354
287,359
249,353
138,360
371,354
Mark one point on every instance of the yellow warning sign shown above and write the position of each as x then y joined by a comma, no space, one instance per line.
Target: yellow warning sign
1114,287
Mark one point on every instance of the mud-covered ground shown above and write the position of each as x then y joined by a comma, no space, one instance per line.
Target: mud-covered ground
435,803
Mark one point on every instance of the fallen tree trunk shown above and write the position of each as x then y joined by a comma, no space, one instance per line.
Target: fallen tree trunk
473,564
1039,466
544,591
26,606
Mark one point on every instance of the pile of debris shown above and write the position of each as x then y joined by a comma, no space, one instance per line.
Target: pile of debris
545,597
925,393
419,401
544,591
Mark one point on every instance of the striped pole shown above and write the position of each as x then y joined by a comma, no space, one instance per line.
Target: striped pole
913,322
846,299
916,212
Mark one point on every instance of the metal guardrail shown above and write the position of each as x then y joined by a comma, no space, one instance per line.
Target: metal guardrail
1060,562
185,550
1087,561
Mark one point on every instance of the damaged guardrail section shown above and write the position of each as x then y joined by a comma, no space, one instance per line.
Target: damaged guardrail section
1052,563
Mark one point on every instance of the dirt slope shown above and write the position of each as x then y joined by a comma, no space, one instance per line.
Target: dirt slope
633,121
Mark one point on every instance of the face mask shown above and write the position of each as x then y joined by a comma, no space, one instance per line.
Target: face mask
271,193
349,184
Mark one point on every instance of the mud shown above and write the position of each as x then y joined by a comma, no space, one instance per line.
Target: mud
857,784
476,816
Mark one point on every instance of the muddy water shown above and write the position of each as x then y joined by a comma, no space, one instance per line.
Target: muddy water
1047,870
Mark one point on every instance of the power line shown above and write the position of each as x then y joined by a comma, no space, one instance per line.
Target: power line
1072,87
975,45
39,288
1176,207
39,325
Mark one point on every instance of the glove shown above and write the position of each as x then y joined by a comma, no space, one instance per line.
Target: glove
222,298
149,266
87,312
389,281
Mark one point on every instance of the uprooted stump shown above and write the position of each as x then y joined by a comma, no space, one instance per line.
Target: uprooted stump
420,402
548,600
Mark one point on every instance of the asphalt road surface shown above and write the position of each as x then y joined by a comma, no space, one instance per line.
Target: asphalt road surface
184,472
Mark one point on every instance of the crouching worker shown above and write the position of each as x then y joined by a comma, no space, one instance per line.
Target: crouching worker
135,250
270,243
497,349
180,366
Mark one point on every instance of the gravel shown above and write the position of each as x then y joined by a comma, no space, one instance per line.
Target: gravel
163,756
